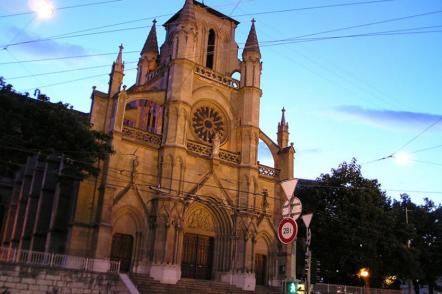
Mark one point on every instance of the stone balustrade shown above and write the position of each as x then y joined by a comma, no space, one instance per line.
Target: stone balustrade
268,171
142,136
206,151
217,77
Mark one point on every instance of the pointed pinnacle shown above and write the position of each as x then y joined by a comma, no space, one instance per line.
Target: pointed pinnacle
252,44
187,13
283,116
120,55
151,44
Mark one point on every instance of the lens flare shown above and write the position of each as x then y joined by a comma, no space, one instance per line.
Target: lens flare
402,158
43,8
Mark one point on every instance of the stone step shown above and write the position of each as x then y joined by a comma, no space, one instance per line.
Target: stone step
146,284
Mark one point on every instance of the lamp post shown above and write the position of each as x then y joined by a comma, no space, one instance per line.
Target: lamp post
364,274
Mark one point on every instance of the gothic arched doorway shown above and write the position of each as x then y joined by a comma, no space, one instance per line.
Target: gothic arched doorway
197,256
121,250
198,244
261,261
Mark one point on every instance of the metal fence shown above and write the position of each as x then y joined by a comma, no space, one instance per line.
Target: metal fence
59,260
343,289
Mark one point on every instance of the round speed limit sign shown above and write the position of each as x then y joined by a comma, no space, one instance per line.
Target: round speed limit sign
287,230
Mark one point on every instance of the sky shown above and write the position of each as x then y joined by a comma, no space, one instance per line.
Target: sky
362,78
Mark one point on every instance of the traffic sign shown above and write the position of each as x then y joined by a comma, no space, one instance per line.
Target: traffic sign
288,186
292,208
307,218
287,230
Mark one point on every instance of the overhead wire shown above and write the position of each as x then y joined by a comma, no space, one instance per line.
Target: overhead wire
120,172
137,51
66,70
61,8
426,129
76,33
268,43
71,81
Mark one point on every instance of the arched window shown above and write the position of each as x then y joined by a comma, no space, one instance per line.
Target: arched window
210,49
145,115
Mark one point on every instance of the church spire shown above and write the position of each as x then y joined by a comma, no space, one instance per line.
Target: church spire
251,61
187,13
117,73
151,44
282,123
119,61
252,44
283,131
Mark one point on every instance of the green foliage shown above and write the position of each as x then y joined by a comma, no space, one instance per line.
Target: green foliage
356,225
29,126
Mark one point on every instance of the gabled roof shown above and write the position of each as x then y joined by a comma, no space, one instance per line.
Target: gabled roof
208,9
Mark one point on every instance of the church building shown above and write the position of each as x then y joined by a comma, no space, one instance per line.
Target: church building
183,195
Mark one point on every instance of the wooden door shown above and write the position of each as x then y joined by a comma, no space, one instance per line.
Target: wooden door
260,269
197,257
122,245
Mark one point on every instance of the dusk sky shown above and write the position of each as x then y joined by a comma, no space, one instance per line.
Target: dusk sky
358,78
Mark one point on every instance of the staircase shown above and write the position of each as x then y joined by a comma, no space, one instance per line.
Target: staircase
146,284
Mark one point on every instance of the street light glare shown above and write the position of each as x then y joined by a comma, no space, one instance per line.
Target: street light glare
402,158
43,8
364,273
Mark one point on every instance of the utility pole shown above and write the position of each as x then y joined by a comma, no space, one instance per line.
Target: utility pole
408,246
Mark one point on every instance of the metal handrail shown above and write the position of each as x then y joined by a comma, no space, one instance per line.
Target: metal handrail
18,256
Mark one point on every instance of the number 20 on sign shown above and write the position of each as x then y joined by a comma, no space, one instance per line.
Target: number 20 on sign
287,230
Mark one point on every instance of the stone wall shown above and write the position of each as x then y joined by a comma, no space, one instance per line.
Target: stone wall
41,280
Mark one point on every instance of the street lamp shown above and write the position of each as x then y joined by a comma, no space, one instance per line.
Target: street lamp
364,274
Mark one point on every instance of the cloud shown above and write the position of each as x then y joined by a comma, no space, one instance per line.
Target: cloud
50,48
388,118
309,150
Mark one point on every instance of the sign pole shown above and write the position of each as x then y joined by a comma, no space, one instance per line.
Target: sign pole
307,218
288,187
308,262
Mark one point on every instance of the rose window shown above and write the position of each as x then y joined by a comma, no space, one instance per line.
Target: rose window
206,122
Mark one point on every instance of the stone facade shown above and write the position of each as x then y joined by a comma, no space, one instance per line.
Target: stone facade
16,279
39,208
185,178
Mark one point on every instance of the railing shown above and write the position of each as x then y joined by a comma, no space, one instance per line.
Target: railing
142,136
268,171
206,151
59,261
320,288
217,77
154,74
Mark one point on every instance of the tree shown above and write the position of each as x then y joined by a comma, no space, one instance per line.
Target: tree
29,126
426,243
352,227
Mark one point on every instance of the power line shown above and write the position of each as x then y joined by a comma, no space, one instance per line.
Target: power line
427,162
119,170
76,33
372,23
426,149
71,81
67,70
408,143
419,134
268,43
67,57
312,7
61,8
73,36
